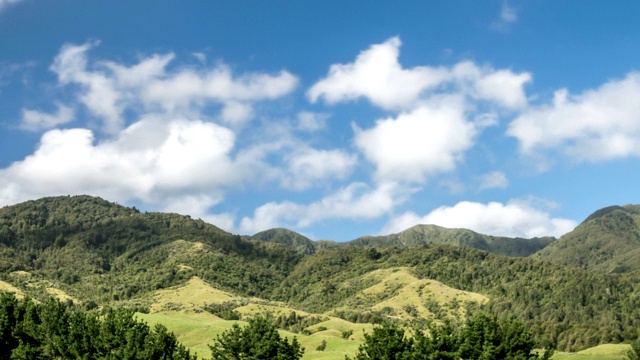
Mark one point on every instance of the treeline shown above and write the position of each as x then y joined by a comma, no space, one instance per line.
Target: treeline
481,337
54,330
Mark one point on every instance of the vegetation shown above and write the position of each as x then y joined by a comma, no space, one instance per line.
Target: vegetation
608,241
53,330
257,341
482,337
96,253
634,352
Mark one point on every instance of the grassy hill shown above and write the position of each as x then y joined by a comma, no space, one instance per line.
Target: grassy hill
93,253
608,241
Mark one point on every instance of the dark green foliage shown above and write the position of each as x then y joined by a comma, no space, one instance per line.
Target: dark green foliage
287,237
431,234
482,337
347,334
296,323
51,330
257,341
634,352
387,342
322,346
225,310
565,308
100,251
608,241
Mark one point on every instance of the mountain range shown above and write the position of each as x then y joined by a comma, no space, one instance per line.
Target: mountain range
577,291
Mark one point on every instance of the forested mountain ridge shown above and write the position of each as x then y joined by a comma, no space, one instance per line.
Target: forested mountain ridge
414,236
101,253
432,234
608,241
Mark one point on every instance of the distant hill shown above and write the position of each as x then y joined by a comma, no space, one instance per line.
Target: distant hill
432,234
607,241
290,238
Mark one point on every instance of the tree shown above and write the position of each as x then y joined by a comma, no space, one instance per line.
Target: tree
257,341
387,342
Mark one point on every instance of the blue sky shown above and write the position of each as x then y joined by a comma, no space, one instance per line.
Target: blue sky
335,119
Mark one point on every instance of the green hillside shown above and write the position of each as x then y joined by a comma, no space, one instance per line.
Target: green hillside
608,241
432,234
290,238
94,253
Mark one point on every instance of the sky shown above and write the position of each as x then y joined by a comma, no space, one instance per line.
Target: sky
335,119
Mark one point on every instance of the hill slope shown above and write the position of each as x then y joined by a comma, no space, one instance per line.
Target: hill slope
607,241
432,234
102,253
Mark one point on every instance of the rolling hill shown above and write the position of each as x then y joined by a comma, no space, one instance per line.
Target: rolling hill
93,253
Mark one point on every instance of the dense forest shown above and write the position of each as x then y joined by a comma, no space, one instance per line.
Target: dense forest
105,254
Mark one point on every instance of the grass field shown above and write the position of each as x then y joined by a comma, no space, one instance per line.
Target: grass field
600,352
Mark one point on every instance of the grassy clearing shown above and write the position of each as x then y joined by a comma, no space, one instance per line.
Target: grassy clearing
5,286
191,296
196,330
61,295
600,352
409,297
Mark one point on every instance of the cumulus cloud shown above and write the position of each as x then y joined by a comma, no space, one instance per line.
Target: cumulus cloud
377,76
35,120
430,139
598,124
355,201
311,165
109,88
517,218
494,180
151,160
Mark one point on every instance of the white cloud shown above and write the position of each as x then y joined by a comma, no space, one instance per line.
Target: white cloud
35,120
598,124
109,88
514,219
355,201
494,180
152,160
377,75
502,87
428,140
310,166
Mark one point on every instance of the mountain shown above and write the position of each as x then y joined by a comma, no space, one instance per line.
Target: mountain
290,238
432,234
101,251
93,252
608,241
